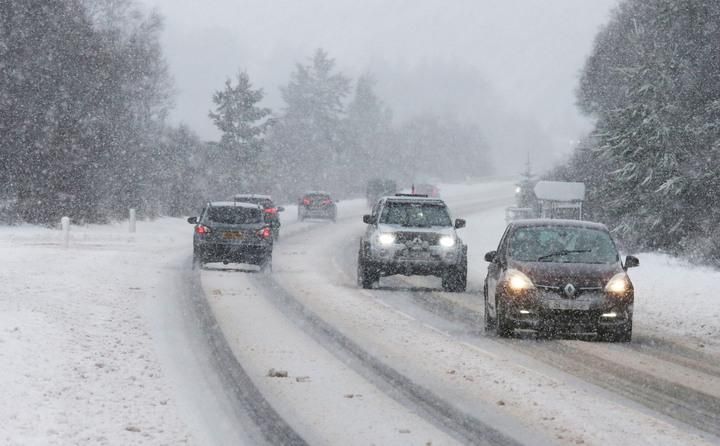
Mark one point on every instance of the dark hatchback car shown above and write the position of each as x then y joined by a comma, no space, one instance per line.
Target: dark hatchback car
555,276
232,232
317,205
272,212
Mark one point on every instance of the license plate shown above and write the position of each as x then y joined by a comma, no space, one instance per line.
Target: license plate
417,255
581,305
232,235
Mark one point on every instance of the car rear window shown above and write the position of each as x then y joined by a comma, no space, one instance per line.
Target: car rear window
264,202
234,215
415,214
562,244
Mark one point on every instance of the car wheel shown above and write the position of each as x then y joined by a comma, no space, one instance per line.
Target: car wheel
266,265
619,334
276,234
504,326
489,322
455,278
365,277
197,260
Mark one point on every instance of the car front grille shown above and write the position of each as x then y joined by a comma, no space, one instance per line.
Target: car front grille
414,237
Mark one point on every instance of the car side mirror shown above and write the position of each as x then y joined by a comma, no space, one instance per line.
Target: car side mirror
631,262
460,223
491,256
280,209
192,220
368,219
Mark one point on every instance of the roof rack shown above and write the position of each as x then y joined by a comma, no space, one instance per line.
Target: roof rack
412,195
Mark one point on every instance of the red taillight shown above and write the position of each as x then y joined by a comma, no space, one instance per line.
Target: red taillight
306,201
265,233
200,229
271,211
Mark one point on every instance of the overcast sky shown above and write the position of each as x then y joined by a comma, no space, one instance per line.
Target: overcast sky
526,54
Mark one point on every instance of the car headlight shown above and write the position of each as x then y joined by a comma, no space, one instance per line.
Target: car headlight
517,281
386,238
619,284
447,241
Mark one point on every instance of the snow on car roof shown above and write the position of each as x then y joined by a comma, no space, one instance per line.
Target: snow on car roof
410,198
264,197
218,204
560,191
558,222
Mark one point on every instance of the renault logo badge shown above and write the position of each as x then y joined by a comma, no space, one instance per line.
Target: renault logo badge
570,290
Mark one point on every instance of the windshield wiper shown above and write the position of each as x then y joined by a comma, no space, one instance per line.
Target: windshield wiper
564,252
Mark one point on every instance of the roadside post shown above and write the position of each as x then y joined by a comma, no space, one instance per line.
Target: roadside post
65,225
132,221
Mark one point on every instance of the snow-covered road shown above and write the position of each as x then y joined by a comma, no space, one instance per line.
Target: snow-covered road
115,340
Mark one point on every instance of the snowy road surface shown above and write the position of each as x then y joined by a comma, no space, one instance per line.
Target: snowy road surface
107,342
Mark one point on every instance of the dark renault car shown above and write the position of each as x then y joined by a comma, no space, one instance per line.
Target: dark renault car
232,232
559,276
317,205
272,212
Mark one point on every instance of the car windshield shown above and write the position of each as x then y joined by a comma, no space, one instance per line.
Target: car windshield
234,215
415,214
264,202
562,244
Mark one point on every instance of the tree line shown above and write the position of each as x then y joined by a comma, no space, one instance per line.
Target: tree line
84,99
333,134
652,163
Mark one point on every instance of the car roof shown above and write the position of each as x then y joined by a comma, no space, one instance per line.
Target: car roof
316,192
411,199
240,204
534,222
263,197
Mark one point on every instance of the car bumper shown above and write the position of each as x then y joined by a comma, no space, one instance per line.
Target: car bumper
587,313
240,253
401,261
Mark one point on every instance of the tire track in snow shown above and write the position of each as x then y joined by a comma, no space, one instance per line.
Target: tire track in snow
247,397
466,427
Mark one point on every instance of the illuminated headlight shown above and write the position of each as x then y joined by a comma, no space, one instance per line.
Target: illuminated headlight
447,241
619,284
518,190
517,281
386,238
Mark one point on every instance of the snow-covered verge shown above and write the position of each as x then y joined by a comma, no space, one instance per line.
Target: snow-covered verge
79,364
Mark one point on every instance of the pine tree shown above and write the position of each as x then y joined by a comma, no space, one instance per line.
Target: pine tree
243,125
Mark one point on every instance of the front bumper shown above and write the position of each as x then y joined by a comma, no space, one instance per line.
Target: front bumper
587,313
398,259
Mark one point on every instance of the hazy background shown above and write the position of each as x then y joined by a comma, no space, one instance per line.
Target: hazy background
510,65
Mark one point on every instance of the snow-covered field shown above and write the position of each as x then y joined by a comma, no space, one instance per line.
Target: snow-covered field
94,351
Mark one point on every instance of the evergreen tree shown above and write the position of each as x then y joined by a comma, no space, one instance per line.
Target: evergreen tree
243,125
309,135
653,84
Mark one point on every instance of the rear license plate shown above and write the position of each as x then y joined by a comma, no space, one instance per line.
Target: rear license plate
581,305
232,235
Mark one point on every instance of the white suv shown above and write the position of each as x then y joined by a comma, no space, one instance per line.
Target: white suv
412,235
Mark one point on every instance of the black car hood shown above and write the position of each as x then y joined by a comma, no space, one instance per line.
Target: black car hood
558,274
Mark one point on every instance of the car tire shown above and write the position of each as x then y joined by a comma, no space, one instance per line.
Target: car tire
455,278
503,325
620,334
490,323
366,278
266,265
197,260
276,234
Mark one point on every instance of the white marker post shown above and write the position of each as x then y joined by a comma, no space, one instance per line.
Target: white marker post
65,225
132,220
